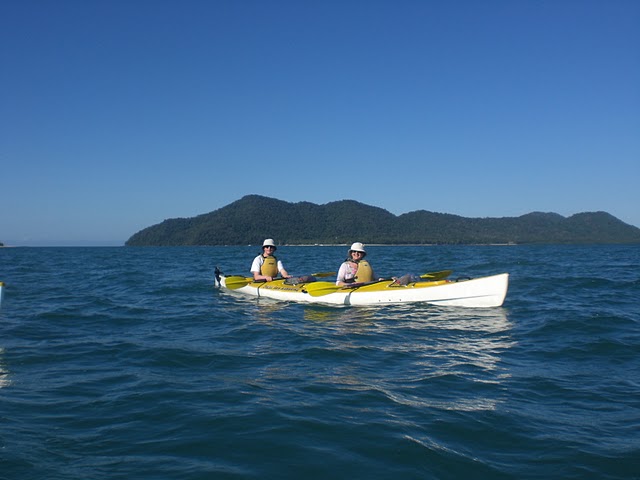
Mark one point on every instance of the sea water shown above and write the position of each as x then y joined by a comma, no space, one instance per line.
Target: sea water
127,363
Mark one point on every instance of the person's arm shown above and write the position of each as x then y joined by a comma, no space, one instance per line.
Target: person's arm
257,276
282,271
373,274
342,272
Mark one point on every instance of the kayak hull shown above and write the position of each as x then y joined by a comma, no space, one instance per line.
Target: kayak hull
472,293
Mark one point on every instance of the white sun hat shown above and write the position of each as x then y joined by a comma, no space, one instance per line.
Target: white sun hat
269,243
357,247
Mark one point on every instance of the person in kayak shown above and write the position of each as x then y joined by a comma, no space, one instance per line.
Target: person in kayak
355,269
266,266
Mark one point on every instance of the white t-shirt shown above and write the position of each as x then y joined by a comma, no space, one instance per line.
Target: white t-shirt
346,272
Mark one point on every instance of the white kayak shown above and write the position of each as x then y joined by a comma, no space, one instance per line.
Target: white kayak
479,292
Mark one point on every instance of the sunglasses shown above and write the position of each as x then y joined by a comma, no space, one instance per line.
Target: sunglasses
269,246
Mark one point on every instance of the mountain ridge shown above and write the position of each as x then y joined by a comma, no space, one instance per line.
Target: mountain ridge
252,218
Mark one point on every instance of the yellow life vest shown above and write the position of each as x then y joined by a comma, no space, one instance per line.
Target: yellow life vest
365,272
270,266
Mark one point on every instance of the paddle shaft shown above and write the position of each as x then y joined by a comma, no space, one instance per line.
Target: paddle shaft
318,290
235,282
431,276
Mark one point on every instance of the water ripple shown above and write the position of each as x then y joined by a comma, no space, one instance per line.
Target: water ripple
126,363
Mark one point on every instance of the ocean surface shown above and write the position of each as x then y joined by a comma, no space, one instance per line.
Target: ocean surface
127,363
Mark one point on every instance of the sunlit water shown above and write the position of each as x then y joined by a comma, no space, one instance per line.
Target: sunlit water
127,363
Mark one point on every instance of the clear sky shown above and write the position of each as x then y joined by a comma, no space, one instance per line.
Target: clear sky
118,114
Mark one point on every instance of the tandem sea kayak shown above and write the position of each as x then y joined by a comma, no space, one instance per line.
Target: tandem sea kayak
473,293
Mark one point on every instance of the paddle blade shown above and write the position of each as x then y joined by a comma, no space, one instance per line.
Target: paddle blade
237,281
318,289
323,274
437,275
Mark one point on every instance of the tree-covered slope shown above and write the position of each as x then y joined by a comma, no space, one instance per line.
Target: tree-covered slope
252,218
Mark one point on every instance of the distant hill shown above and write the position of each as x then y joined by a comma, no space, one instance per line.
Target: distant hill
253,218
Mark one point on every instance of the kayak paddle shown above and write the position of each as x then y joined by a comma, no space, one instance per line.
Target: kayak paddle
237,281
325,288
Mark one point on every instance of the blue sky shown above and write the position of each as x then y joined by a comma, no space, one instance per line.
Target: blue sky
119,114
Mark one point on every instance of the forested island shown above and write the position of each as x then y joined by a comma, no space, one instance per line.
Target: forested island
253,218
